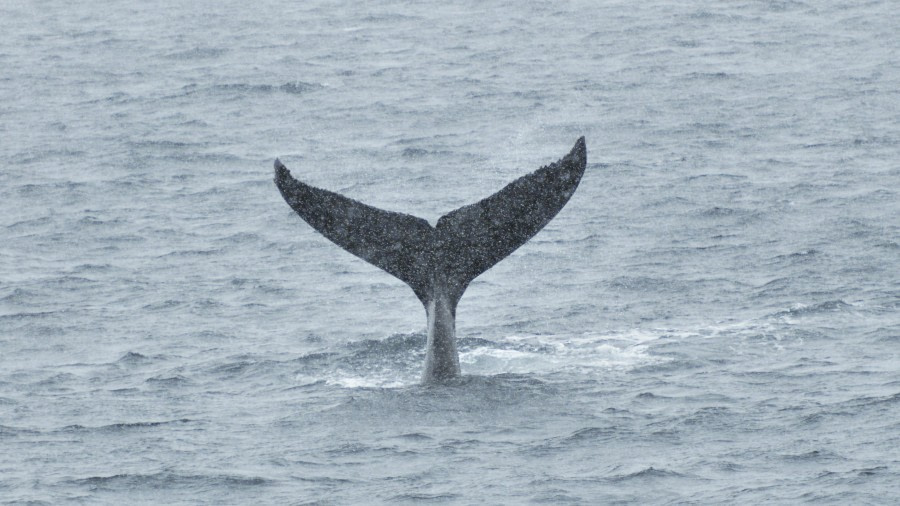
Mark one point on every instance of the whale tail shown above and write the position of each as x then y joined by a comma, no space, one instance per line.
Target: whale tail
465,243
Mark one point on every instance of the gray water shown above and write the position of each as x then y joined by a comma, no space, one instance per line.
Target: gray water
712,318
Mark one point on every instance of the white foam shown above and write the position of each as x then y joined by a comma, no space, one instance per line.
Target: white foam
588,353
555,353
364,382
369,379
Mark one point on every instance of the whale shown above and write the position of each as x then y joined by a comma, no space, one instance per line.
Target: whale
439,262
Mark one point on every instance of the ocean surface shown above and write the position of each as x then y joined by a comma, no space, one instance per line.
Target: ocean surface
713,318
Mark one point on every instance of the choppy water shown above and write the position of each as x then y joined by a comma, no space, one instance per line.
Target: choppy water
712,318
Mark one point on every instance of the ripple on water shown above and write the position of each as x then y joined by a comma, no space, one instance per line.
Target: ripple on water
168,480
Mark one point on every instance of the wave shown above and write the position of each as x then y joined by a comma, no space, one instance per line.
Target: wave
647,284
168,480
414,436
132,358
813,456
579,438
168,381
421,497
865,402
124,426
649,473
197,53
717,176
48,155
28,315
243,89
7,431
421,153
191,253
798,255
829,306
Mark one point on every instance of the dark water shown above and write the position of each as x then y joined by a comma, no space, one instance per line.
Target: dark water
712,318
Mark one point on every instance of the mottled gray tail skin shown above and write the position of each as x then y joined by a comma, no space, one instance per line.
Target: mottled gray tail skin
465,243
473,238
397,243
439,262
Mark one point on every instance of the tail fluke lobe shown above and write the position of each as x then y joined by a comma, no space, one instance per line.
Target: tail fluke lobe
395,242
471,239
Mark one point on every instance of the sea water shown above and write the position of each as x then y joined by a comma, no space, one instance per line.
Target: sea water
713,317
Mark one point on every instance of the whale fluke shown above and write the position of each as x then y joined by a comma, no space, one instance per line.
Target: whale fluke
395,242
438,263
475,237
